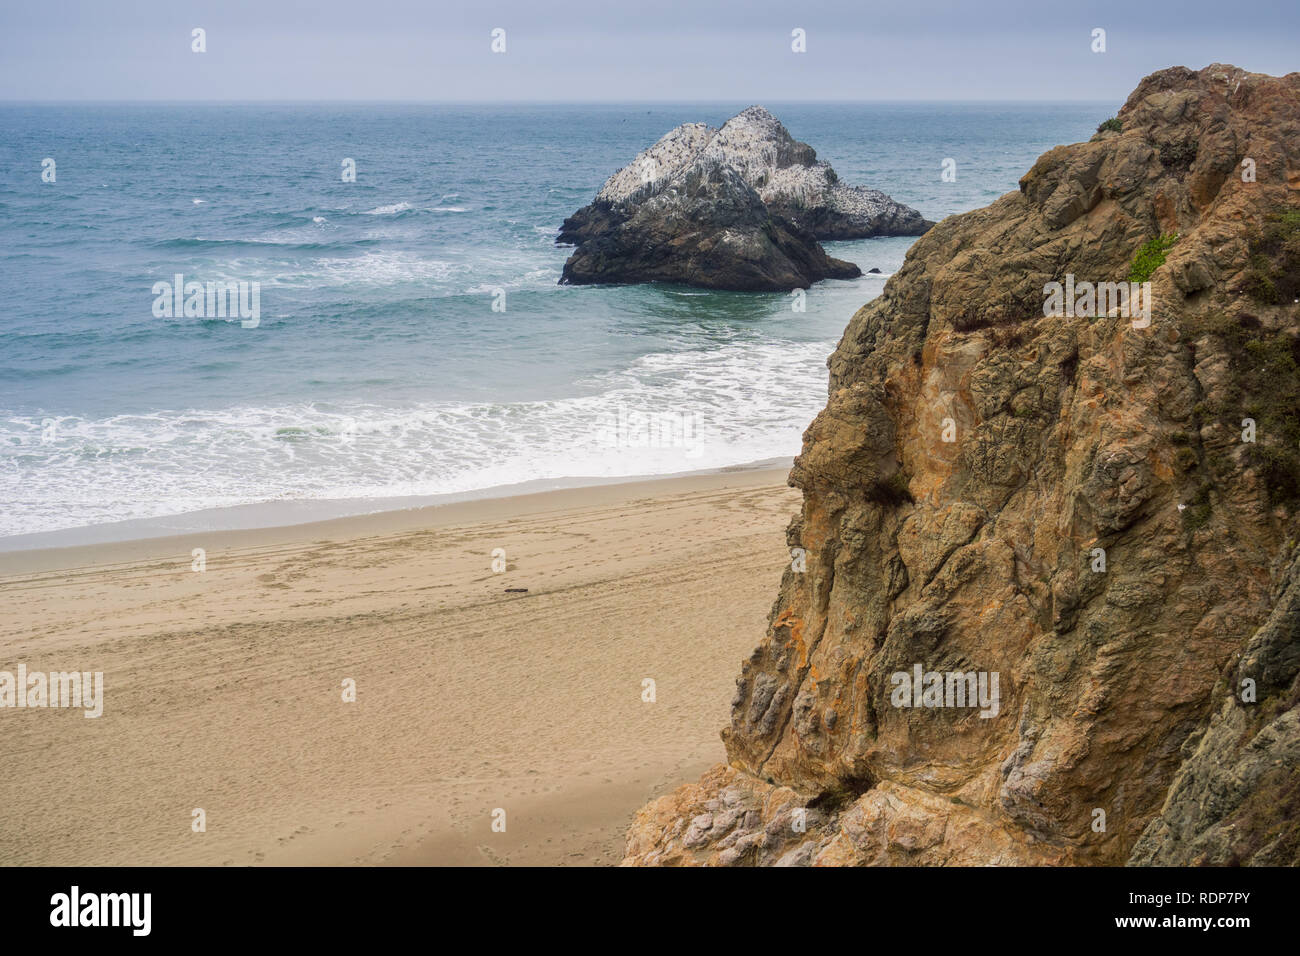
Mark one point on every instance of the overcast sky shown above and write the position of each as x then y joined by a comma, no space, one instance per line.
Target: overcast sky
619,50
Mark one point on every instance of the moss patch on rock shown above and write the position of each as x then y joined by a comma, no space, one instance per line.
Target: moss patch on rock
1274,273
1265,387
1150,257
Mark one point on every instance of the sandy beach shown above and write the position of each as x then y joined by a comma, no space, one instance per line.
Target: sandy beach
223,688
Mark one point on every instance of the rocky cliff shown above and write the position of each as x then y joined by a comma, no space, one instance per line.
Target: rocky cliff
1043,605
740,207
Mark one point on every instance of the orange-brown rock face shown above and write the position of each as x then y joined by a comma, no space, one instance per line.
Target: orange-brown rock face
1072,505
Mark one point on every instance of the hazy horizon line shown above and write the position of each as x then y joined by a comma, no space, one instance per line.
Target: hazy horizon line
628,102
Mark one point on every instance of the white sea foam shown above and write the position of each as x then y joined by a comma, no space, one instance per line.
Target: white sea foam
751,402
371,268
533,279
388,210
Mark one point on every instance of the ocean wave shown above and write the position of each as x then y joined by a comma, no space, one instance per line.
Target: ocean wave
286,244
390,210
534,279
329,271
742,402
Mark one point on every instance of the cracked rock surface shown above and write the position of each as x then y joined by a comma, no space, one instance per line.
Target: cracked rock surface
1066,501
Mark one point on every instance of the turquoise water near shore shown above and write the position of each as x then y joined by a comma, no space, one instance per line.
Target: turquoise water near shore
379,367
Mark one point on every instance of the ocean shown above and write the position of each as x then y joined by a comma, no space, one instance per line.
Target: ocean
411,341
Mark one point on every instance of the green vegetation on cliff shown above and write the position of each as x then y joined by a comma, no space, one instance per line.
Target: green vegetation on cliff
1274,274
1264,387
1150,257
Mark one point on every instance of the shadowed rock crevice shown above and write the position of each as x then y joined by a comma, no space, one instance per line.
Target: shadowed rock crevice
1071,502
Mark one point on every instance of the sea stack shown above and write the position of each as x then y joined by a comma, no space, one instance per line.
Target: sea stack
742,207
1101,507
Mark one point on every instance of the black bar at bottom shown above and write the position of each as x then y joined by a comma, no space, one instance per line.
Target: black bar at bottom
925,905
